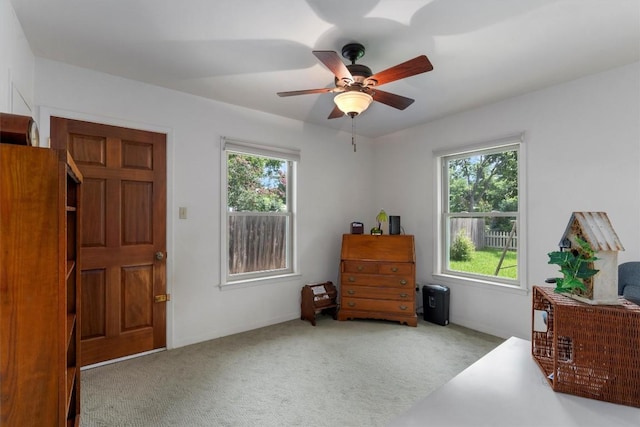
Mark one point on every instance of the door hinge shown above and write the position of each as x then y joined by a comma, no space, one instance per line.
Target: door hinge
162,298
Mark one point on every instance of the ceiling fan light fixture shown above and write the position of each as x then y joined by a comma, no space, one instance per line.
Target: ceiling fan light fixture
353,102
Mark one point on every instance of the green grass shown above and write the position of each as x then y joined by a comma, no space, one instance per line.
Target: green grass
486,260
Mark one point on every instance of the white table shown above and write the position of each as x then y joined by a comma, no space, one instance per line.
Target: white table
507,388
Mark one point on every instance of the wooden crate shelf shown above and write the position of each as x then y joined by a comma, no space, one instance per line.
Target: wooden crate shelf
318,298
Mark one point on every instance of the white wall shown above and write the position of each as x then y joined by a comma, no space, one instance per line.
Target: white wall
332,191
16,64
582,150
582,154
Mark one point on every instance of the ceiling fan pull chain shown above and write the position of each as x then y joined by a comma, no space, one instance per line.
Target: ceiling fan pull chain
353,134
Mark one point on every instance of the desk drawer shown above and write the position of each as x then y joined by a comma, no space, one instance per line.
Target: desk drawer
378,293
389,306
359,267
397,269
404,282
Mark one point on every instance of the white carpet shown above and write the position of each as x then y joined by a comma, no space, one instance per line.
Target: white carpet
353,373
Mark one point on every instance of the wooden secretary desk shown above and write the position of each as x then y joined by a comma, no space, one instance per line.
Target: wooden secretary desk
378,278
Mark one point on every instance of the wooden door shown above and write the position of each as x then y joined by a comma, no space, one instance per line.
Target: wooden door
123,241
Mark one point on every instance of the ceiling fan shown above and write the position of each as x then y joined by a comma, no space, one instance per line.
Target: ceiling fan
357,86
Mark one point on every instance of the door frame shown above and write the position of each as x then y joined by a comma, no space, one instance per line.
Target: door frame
44,120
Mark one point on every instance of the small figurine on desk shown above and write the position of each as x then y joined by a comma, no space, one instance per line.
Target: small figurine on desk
380,218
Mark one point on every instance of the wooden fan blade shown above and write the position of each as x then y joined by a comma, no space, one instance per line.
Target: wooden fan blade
335,113
391,99
333,62
305,92
410,68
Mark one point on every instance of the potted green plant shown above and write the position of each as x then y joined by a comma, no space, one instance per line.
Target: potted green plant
380,218
575,266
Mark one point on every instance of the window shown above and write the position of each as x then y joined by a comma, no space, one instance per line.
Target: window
259,211
480,225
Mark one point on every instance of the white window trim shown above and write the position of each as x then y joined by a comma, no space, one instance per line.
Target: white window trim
447,278
284,153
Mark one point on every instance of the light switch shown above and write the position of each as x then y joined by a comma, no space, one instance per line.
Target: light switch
182,212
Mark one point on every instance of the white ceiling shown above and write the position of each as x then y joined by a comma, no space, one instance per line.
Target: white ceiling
244,51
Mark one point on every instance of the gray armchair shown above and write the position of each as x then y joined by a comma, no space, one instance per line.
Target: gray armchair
629,281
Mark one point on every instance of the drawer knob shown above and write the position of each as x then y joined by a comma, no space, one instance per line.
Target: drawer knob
351,304
360,268
394,269
352,279
403,282
403,295
403,307
351,292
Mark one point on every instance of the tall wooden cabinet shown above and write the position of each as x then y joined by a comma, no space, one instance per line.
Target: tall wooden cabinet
378,278
39,287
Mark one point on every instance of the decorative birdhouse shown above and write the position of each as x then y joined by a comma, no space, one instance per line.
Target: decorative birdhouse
595,229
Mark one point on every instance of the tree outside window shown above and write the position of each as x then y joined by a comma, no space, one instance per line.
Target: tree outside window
256,184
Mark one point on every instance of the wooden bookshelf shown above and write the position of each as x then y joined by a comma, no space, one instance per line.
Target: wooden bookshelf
39,287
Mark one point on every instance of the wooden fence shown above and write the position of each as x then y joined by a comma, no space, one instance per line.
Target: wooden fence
474,228
257,243
498,239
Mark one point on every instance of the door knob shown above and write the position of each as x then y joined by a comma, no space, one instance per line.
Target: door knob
159,256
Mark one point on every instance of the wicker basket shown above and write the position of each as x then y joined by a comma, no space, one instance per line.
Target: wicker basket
590,351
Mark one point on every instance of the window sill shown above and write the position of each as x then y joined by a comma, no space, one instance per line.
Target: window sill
257,281
447,279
